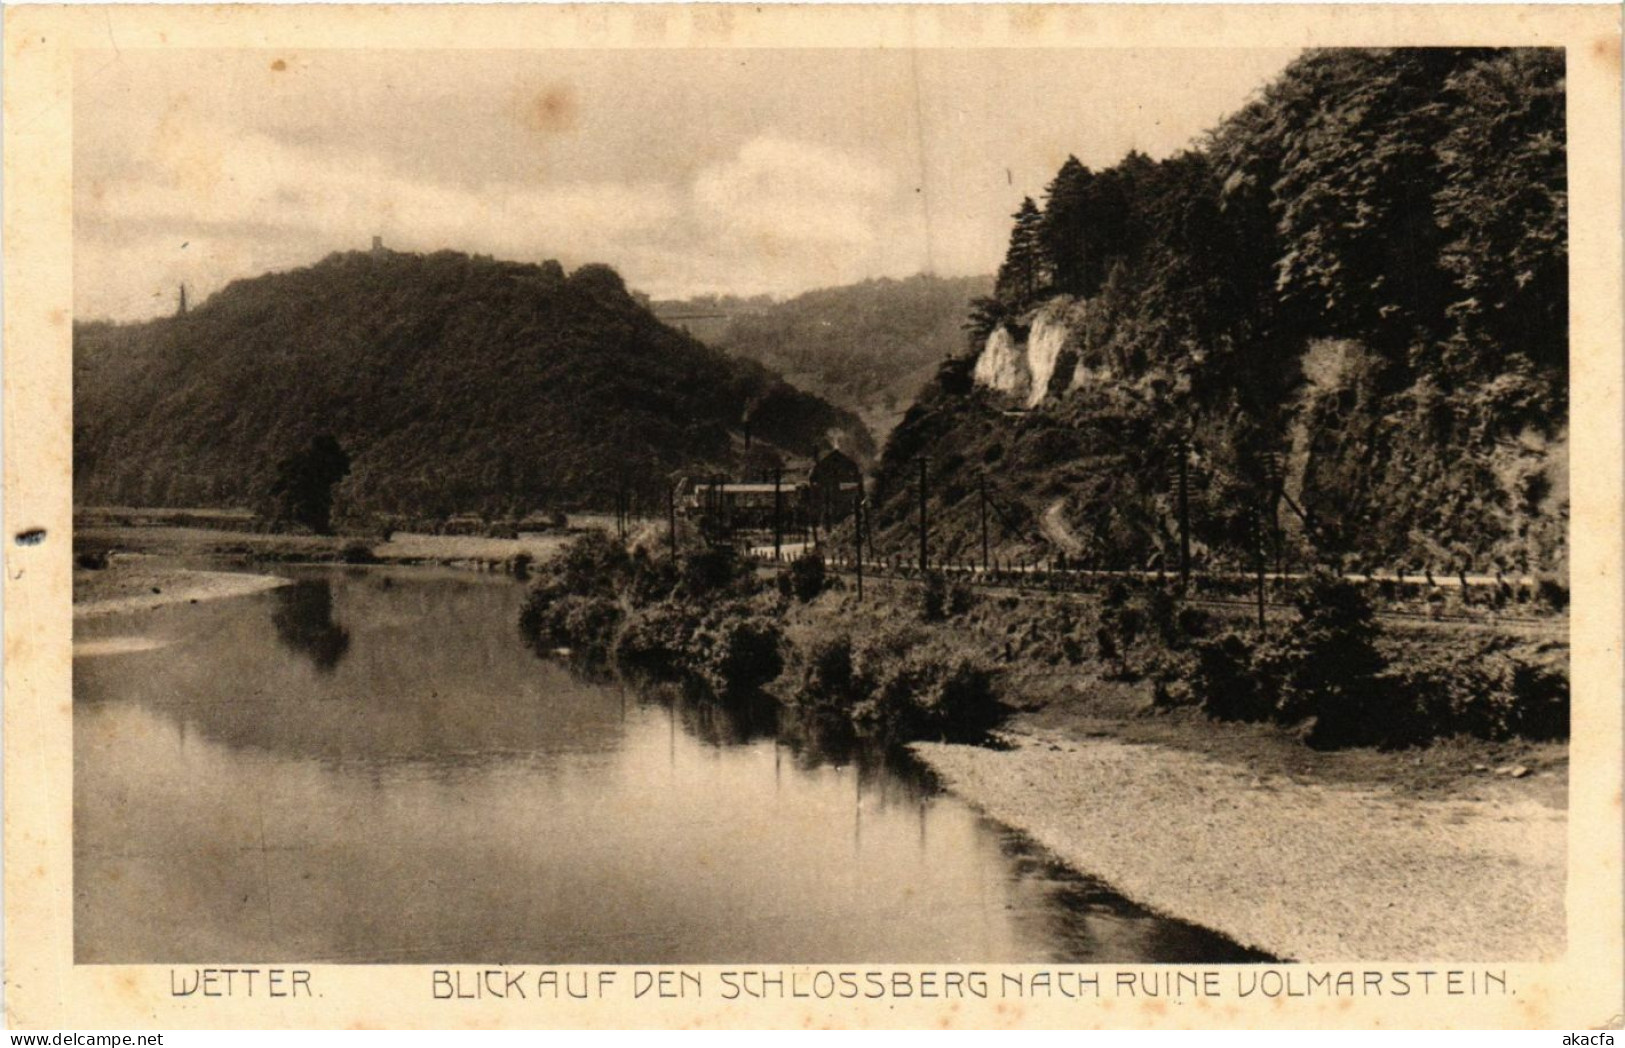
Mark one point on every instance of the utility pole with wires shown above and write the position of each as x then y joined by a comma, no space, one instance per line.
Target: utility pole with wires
925,549
671,513
984,522
1184,452
1275,478
778,509
1258,533
857,541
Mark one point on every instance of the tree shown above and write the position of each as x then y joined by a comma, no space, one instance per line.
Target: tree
303,489
1503,205
597,278
1026,270
986,313
1064,231
443,367
1355,198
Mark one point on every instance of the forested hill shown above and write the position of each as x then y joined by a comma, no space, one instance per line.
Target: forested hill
867,347
1346,309
454,384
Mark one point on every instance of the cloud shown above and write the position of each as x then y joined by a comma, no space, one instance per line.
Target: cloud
208,178
781,215
689,170
794,193
205,204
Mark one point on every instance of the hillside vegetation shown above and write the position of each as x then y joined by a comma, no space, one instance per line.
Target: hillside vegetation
454,384
867,347
1346,310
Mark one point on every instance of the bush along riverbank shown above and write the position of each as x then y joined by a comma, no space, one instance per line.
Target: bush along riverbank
934,659
710,618
1328,673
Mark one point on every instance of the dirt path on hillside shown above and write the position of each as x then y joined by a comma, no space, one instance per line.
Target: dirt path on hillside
1309,872
1052,522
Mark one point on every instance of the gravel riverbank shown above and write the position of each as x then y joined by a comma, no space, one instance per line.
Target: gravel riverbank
1308,872
137,587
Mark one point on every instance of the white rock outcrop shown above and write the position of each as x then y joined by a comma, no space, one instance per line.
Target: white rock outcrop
1024,368
1002,365
1045,342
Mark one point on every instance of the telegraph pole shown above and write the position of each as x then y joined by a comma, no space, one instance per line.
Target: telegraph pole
778,507
868,535
925,562
1259,539
984,523
857,541
1184,516
1277,492
718,506
671,512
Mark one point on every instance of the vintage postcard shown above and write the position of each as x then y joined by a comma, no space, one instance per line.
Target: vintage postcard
942,516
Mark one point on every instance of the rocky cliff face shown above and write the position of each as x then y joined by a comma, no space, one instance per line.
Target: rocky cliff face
1002,365
1378,352
1026,363
1371,475
1049,348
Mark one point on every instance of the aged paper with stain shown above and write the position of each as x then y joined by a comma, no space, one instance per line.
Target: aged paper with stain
407,844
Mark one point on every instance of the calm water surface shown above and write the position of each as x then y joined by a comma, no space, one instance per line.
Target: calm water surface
368,766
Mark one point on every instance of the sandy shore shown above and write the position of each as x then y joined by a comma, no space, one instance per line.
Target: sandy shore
1308,872
135,587
409,546
275,547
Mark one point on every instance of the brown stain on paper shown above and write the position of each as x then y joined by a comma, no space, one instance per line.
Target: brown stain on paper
1607,49
554,111
127,988
1028,21
713,25
649,26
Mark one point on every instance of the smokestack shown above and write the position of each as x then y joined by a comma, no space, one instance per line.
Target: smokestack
181,312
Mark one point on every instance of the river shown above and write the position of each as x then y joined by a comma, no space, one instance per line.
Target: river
369,766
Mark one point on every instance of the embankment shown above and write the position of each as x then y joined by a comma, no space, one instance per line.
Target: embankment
246,547
133,586
1313,872
1129,752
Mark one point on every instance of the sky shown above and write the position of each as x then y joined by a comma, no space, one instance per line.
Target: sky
691,172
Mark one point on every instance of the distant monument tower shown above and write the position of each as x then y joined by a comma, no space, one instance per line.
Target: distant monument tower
378,245
181,312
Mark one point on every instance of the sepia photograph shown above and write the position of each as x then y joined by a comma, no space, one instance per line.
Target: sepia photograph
777,515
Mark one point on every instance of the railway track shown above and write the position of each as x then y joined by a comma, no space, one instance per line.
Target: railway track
1040,587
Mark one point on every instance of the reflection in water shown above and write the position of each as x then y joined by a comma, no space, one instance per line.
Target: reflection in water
1080,917
745,720
469,803
304,622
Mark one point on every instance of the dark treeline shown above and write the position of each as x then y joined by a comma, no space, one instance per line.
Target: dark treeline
453,384
1349,301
